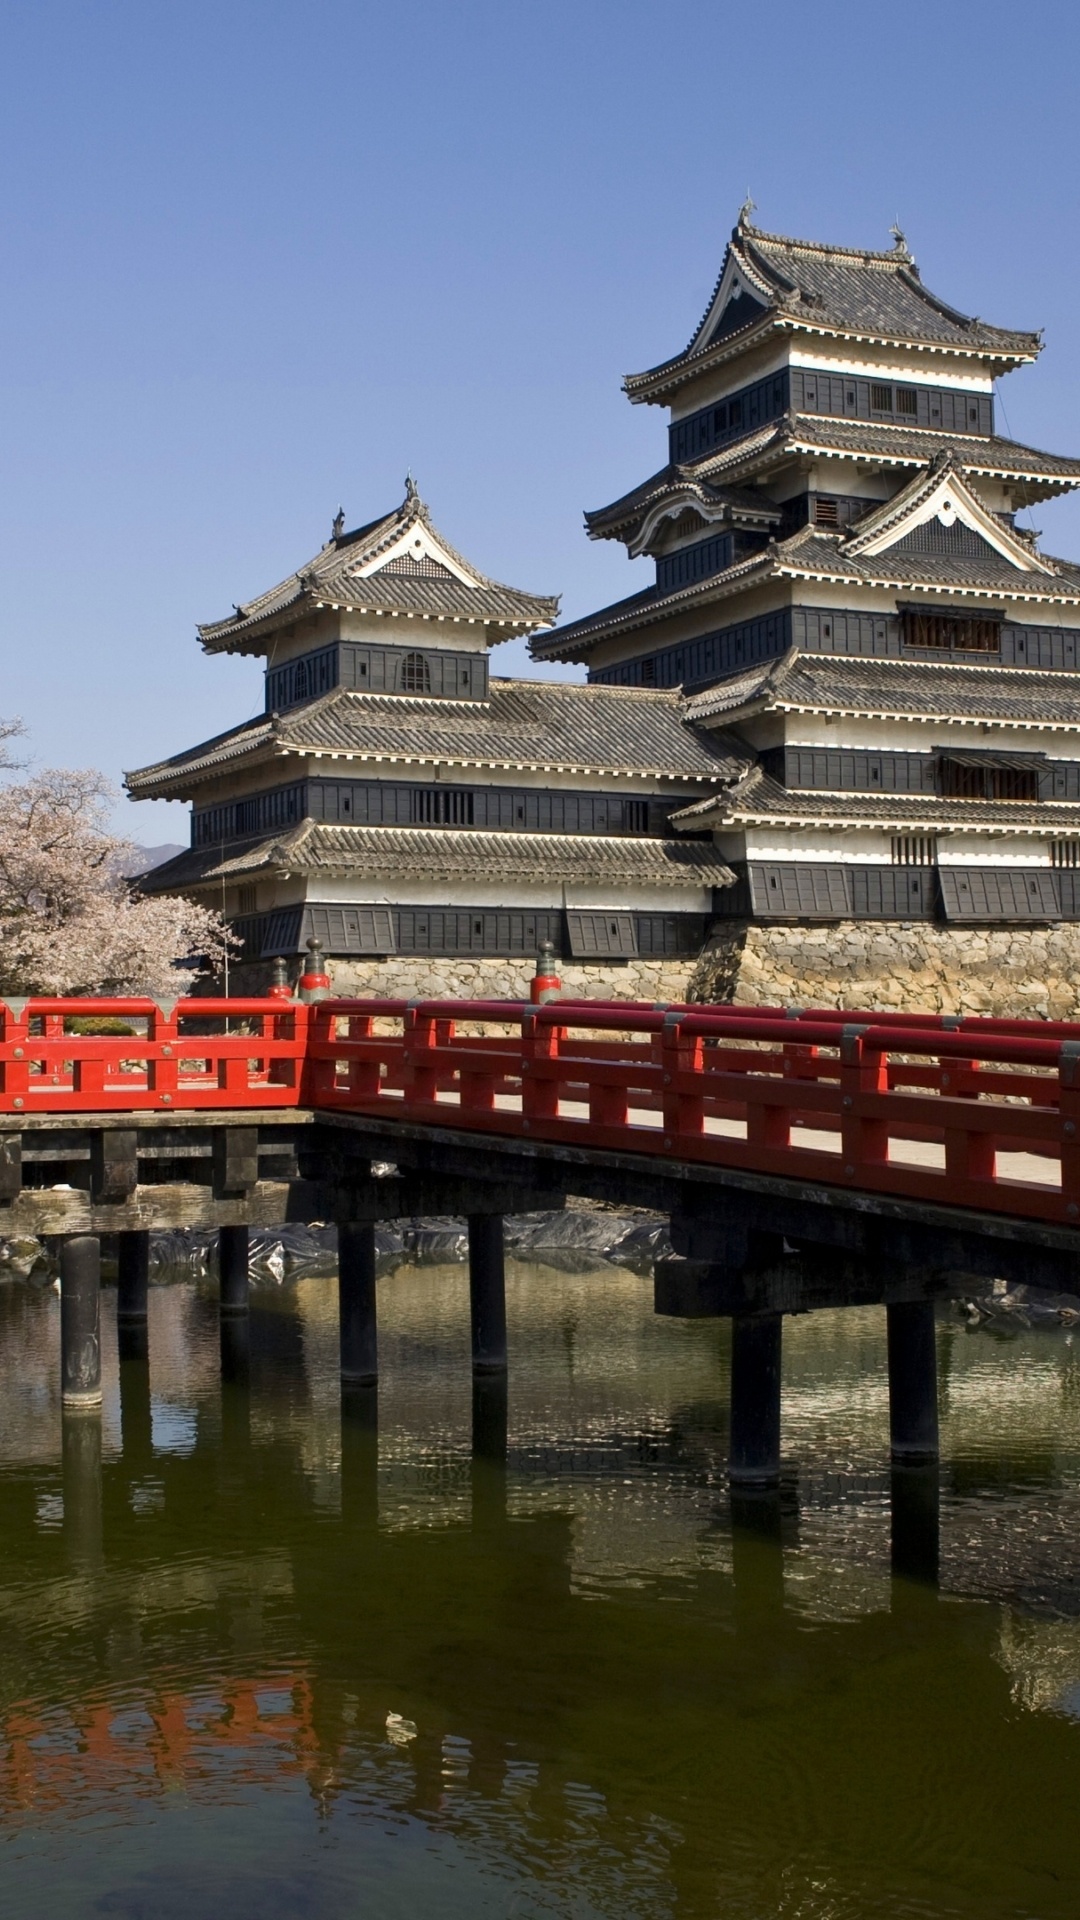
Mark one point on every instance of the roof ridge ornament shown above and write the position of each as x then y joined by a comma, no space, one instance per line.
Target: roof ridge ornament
338,525
412,492
748,207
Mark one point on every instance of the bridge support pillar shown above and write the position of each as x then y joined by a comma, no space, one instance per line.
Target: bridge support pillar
357,1321
487,1292
133,1276
913,1415
233,1269
80,1320
754,1458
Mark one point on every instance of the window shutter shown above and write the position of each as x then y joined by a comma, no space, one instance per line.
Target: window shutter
599,936
351,929
800,891
986,893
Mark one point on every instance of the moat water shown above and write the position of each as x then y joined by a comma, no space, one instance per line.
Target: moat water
477,1658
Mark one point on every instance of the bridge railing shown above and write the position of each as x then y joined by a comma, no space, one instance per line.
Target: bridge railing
978,1113
975,1112
191,1053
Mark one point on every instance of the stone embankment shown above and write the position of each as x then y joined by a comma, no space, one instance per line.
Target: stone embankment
1032,972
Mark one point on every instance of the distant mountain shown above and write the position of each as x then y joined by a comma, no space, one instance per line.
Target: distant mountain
143,858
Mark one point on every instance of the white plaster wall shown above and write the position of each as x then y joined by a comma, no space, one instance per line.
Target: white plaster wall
911,369
920,734
435,893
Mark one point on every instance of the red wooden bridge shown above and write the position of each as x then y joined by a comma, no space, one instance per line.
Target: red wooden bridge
805,1158
967,1113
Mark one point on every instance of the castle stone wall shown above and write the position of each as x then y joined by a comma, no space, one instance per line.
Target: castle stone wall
432,978
1028,971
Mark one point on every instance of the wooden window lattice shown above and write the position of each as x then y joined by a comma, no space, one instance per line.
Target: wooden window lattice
914,850
953,633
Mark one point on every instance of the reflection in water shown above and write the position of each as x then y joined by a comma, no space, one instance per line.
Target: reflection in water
510,1647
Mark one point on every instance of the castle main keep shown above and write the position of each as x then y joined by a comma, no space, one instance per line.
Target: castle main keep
832,747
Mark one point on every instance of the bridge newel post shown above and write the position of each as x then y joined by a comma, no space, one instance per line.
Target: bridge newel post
80,1320
913,1414
487,1292
358,1330
233,1269
132,1276
756,1345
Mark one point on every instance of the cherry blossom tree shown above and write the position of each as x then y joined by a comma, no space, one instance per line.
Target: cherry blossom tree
70,923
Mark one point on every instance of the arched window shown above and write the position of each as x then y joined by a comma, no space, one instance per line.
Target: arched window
415,676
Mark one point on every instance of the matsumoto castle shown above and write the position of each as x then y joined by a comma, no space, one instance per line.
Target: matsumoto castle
848,699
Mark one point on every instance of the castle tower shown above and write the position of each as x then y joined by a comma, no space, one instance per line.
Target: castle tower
843,586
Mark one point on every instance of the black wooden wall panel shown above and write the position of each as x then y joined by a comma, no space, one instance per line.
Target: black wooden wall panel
1001,893
492,932
947,408
893,893
369,668
725,420
696,562
1040,646
599,936
361,803
706,658
851,770
836,630
800,890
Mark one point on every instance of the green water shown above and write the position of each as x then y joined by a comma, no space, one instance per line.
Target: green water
258,1660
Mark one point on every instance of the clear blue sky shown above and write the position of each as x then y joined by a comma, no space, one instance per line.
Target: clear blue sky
262,258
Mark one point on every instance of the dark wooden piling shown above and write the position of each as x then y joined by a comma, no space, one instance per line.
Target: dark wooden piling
132,1276
913,1415
357,1316
80,1320
233,1269
754,1458
487,1292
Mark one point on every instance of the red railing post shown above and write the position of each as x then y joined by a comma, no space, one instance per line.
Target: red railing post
969,1152
680,1055
864,1140
539,1089
421,1072
15,1055
1069,1121
163,1045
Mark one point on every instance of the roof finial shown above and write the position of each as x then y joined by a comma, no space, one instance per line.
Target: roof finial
411,492
748,207
338,527
899,236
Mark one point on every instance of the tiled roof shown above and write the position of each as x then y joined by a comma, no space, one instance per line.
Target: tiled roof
910,446
822,434
763,801
895,689
737,505
840,290
708,478
436,583
812,554
454,855
548,727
